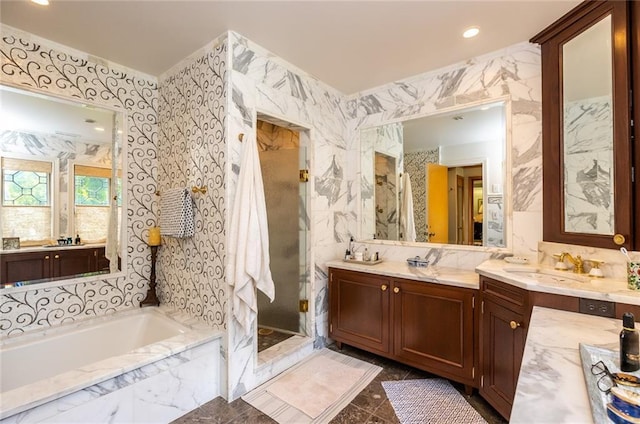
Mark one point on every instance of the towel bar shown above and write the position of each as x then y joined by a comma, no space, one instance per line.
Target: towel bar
196,189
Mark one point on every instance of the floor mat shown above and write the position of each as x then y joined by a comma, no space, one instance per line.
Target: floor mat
432,400
315,390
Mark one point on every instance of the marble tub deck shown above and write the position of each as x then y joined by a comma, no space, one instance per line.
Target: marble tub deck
40,394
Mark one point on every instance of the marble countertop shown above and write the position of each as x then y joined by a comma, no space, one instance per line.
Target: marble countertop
551,386
432,274
49,248
614,290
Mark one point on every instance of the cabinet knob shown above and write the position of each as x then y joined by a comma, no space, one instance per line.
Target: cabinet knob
56,257
46,257
514,325
383,287
619,239
396,289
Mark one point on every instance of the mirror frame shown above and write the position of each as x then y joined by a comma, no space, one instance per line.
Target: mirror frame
122,118
507,186
552,40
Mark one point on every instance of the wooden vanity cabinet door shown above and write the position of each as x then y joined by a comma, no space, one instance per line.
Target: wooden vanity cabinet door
73,262
359,310
503,331
25,266
433,328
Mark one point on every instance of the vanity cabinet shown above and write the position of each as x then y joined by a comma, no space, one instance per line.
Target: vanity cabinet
359,310
590,65
425,325
503,332
51,263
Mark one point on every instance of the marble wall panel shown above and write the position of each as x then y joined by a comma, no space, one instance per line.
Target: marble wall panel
38,65
512,74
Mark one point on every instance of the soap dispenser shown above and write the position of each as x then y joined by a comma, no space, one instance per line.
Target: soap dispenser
629,348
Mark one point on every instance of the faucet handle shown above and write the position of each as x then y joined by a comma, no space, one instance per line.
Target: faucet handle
560,265
595,268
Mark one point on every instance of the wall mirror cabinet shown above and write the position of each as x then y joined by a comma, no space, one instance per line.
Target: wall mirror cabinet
61,165
589,72
454,163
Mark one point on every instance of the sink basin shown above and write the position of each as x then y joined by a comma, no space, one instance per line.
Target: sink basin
551,277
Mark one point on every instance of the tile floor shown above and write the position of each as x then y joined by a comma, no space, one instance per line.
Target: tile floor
370,406
268,338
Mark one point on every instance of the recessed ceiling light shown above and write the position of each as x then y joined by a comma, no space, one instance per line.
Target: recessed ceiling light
99,129
471,32
41,2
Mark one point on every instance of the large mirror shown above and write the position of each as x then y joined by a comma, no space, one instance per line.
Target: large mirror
61,212
437,179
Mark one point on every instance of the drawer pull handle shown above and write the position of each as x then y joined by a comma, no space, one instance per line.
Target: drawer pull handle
396,289
56,257
46,257
514,325
383,287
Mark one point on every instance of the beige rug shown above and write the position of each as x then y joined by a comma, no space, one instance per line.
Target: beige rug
315,390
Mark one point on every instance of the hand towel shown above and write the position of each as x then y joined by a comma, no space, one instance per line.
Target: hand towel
407,223
176,213
248,266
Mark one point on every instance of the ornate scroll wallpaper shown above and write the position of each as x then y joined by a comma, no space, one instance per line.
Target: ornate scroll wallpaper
192,153
28,62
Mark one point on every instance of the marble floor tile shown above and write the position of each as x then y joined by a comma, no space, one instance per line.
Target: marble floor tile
369,406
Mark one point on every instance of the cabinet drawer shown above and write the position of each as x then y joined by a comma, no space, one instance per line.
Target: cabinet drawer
504,294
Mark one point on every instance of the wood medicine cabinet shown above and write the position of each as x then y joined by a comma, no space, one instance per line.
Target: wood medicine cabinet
589,68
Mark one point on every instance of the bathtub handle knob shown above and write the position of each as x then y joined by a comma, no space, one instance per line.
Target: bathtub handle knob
46,257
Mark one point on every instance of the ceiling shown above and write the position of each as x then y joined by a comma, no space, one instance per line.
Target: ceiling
32,113
350,45
478,124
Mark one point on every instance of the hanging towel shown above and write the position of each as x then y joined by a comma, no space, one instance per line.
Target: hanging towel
248,266
407,224
176,213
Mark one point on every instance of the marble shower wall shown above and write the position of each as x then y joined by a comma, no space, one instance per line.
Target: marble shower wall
39,65
512,74
192,152
386,139
263,83
64,149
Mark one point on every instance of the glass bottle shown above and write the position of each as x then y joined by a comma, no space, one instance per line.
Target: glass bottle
629,348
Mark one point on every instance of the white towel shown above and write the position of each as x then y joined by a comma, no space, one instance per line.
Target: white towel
176,213
248,266
407,223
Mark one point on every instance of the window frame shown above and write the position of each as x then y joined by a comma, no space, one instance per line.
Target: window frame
72,191
54,190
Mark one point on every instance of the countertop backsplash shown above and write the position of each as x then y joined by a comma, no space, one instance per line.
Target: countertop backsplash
614,266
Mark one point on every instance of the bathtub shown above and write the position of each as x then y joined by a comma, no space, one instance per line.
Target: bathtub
135,366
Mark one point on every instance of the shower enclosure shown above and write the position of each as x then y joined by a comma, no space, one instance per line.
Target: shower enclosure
281,160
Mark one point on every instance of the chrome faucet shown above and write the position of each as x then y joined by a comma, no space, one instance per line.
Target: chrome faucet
578,262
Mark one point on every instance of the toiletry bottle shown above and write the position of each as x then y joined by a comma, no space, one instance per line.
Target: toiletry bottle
366,255
347,255
77,238
629,348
